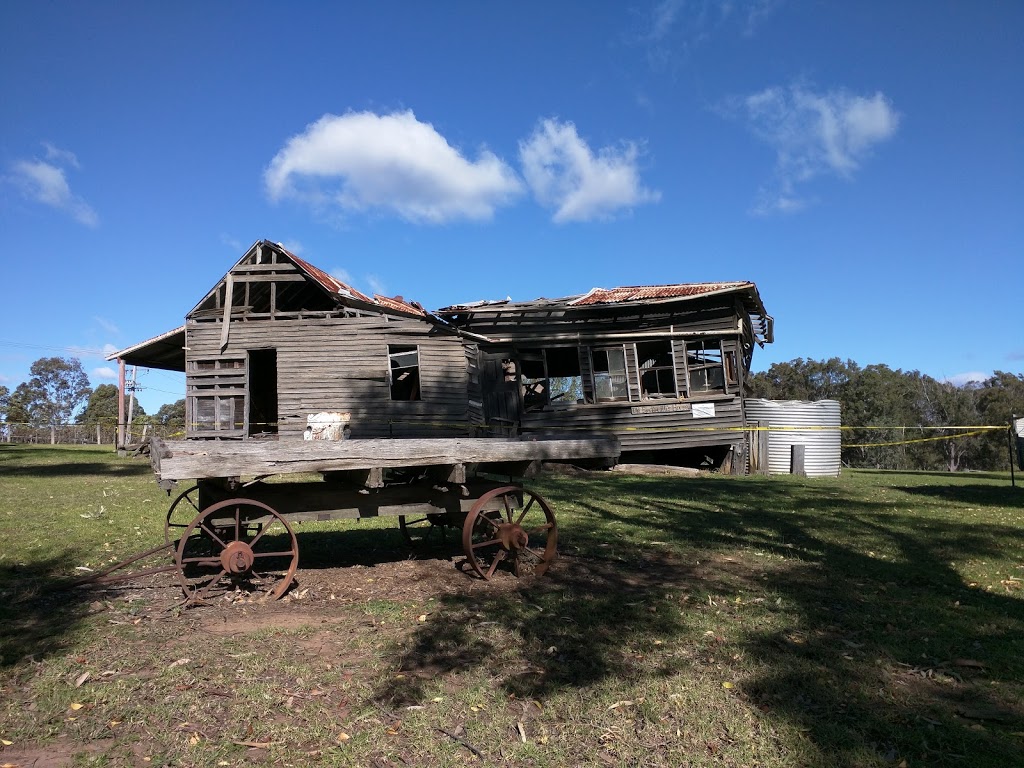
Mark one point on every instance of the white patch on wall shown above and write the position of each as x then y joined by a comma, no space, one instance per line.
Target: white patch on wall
703,410
327,426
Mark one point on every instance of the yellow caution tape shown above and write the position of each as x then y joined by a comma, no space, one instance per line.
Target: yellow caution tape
920,439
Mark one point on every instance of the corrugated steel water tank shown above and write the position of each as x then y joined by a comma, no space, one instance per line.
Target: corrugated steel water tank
822,446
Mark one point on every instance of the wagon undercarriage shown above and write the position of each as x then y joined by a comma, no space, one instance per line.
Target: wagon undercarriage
228,533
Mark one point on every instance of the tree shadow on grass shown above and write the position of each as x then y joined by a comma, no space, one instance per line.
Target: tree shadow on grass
867,642
988,495
39,615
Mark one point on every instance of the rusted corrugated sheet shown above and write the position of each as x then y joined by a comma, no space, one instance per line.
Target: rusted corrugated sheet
649,292
336,286
326,281
400,305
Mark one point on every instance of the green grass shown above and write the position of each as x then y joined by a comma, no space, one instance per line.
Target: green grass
871,620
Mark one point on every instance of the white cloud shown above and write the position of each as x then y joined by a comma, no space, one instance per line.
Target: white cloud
361,161
676,27
960,379
293,246
103,373
376,285
45,182
106,325
60,156
815,134
341,274
566,175
109,349
233,243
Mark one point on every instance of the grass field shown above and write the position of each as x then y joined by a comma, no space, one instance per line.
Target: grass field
873,620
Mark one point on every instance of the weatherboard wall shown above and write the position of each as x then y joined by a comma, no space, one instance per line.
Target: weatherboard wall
340,364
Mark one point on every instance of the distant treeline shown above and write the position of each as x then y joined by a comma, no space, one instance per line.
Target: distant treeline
878,396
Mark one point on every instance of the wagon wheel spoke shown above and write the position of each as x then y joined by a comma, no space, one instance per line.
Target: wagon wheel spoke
182,511
526,508
215,554
210,532
490,543
508,507
200,593
200,560
498,557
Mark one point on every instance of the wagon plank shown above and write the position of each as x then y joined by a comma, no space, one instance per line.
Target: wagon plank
193,459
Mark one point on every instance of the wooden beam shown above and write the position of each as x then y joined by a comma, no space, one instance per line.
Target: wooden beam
229,292
197,459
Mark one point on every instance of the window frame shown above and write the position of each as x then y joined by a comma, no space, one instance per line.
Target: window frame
594,373
697,349
394,351
661,372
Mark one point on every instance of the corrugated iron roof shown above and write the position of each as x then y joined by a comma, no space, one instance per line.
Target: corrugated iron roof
333,285
648,292
400,305
328,282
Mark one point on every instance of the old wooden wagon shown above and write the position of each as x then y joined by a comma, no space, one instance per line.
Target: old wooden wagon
234,529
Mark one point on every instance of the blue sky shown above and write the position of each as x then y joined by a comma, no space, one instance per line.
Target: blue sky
863,163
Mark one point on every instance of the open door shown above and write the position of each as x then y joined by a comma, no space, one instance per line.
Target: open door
499,380
262,392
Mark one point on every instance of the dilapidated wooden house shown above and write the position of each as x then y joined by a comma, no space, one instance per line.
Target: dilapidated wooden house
663,366
277,341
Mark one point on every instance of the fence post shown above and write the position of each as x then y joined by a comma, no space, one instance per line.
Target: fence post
53,434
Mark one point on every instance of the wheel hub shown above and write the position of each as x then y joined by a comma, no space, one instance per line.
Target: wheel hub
237,558
513,536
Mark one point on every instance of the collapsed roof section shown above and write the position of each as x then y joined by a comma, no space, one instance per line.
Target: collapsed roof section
762,324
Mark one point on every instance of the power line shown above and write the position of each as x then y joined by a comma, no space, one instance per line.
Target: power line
90,351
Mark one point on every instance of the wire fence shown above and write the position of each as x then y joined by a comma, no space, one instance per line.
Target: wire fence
82,434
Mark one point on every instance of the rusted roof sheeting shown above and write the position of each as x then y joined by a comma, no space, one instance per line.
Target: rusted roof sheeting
400,305
653,292
327,282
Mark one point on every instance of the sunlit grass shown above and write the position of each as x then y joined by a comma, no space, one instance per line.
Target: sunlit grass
873,619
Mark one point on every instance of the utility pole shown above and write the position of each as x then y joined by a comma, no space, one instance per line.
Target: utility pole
131,404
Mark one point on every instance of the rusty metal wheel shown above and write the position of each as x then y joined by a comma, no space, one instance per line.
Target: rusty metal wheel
427,530
510,525
237,544
183,511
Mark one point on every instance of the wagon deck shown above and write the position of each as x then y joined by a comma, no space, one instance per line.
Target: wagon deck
233,529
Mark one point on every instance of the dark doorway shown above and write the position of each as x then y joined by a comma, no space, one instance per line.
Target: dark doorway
262,392
499,381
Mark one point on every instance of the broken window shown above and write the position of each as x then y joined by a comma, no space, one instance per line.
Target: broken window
610,374
731,369
404,372
704,366
551,376
657,370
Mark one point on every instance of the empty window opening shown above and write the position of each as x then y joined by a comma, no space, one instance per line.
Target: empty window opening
551,377
262,391
610,374
404,372
657,371
704,366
